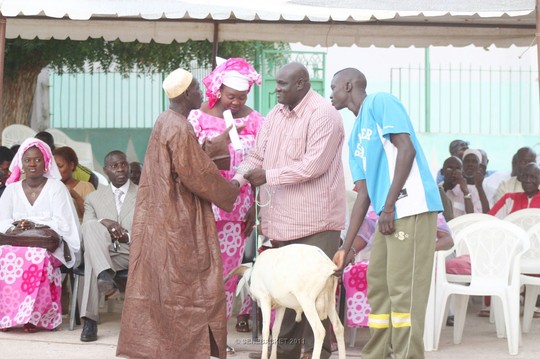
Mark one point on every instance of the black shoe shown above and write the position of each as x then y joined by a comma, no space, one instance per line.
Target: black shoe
450,321
106,284
89,332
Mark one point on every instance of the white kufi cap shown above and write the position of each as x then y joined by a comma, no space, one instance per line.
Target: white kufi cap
177,82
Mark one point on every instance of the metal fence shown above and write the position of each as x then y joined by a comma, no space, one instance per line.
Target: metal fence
469,100
108,100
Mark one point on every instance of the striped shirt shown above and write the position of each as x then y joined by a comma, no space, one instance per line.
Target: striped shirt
300,150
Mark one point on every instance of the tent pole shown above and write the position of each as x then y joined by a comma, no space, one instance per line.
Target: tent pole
215,42
2,55
538,42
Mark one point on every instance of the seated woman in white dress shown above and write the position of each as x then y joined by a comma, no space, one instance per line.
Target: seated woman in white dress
30,278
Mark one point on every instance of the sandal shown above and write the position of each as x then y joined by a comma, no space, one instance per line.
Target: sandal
230,350
306,356
29,328
242,324
3,330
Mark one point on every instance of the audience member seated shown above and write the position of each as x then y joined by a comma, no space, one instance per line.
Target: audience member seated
108,217
31,278
456,149
355,275
81,173
6,156
530,198
135,169
474,174
509,203
66,160
524,156
493,181
464,197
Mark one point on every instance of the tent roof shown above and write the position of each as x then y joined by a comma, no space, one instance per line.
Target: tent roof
312,22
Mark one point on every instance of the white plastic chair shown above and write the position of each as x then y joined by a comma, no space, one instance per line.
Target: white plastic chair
495,248
16,134
456,225
431,317
530,264
463,221
524,218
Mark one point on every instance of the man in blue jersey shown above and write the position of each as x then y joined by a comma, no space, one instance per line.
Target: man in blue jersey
390,171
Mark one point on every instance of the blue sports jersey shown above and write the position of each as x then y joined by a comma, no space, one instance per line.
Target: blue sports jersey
372,157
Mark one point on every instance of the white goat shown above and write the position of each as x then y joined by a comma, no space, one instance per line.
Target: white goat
299,277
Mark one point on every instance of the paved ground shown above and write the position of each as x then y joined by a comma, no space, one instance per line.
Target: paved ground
479,342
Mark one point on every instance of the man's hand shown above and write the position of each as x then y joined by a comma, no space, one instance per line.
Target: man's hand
479,178
250,221
386,223
256,177
462,182
340,260
117,232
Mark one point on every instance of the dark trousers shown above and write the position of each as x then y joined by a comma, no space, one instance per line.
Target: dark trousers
291,335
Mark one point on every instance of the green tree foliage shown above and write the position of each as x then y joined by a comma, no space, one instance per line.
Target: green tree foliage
24,59
74,56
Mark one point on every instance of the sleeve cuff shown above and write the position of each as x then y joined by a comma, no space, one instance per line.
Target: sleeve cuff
272,177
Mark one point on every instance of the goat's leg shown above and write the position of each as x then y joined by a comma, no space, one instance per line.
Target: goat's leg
336,323
266,312
276,328
312,317
338,330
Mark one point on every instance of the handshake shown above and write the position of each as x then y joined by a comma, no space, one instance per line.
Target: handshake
256,176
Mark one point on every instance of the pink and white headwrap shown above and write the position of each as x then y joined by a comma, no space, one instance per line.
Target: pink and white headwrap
235,73
51,169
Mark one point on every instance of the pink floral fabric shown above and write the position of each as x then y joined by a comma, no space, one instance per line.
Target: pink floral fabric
207,127
230,225
30,287
214,80
232,244
355,282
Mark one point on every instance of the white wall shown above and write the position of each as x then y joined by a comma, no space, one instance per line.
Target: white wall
376,63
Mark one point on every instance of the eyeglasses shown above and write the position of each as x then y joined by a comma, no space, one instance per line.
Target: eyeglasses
116,166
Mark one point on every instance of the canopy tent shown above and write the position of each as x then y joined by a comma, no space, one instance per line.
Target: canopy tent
313,22
381,23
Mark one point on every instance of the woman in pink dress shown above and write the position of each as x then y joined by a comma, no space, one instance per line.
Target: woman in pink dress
227,88
30,278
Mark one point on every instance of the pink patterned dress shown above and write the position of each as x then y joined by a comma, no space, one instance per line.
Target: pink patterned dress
230,226
31,287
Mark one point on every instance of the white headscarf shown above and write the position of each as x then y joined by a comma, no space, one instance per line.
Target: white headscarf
51,169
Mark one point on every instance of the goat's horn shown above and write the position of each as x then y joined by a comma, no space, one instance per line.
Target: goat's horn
240,270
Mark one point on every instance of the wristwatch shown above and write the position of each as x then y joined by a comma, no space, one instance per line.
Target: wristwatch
468,196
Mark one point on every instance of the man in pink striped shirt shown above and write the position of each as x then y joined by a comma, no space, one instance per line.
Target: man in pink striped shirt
297,160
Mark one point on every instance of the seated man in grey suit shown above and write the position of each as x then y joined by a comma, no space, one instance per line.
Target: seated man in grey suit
108,216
